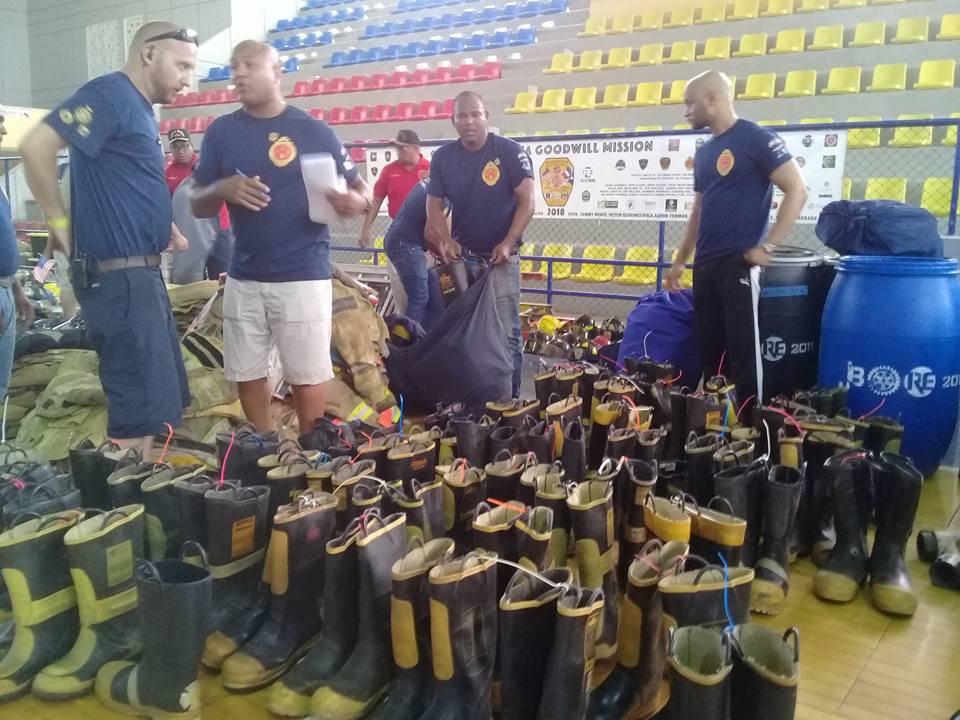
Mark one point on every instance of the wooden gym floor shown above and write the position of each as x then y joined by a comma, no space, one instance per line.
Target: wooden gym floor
856,663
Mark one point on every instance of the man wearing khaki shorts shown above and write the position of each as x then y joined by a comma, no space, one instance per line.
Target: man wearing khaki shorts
278,286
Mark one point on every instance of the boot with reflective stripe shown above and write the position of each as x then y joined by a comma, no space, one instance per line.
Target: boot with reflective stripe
294,570
573,457
621,442
320,475
36,572
189,493
591,515
246,446
410,630
411,461
700,673
473,439
561,412
343,481
782,493
704,596
607,416
424,511
716,529
290,696
650,444
493,531
551,492
237,523
698,453
742,486
503,476
102,552
533,531
544,385
542,440
162,510
173,603
360,683
287,482
638,478
766,671
464,487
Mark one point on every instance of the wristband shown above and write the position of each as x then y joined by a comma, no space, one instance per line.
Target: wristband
59,223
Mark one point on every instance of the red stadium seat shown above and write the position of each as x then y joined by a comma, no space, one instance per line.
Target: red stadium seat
336,85
301,88
220,97
441,76
464,73
358,83
166,126
359,114
178,124
316,113
180,100
405,111
318,86
338,116
192,98
205,98
426,110
419,77
377,81
195,125
491,70
398,79
383,113
446,110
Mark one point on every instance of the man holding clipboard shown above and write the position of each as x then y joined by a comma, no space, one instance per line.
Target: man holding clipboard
278,285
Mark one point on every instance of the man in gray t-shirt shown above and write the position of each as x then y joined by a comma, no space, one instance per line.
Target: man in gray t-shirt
189,266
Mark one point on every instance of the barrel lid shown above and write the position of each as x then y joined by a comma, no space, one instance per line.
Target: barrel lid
898,265
792,255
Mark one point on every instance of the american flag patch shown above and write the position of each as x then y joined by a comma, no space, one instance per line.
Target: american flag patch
43,269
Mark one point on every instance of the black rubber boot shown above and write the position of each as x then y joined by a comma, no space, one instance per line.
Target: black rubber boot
766,671
671,478
290,696
742,486
344,480
503,476
551,492
573,457
606,416
849,479
246,446
102,552
815,516
369,494
568,381
473,439
677,428
566,687
90,467
410,630
41,500
651,444
932,544
700,670
506,439
542,440
544,385
533,531
945,571
731,454
162,517
513,413
883,435
287,482
409,462
696,416
174,600
463,637
464,487
697,597
295,573
716,530
561,413
621,442
237,524
335,439
376,449
782,493
588,380
527,491
320,475
424,511
767,418
638,479
897,486
698,453
361,682
123,484
493,531
665,519
284,451
37,573
656,395
189,493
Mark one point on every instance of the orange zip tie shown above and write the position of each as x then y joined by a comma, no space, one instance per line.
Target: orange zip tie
508,504
163,453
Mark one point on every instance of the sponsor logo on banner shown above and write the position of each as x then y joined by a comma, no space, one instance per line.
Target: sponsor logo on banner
664,163
688,163
643,163
556,181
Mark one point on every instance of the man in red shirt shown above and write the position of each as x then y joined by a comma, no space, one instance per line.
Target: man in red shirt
396,180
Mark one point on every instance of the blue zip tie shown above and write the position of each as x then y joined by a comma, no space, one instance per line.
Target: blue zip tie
401,414
726,591
726,416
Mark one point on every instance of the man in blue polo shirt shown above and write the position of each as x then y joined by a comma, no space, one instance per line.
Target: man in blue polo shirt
734,174
489,180
121,223
278,286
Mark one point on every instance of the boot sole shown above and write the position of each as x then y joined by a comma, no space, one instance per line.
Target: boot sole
146,712
60,696
264,679
835,587
653,706
893,601
767,598
289,703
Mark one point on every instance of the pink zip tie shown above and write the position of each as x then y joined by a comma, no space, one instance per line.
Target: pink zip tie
866,415
671,381
723,357
163,453
791,418
226,455
744,405
652,565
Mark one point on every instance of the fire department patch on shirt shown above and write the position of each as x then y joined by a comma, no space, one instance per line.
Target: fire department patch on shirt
491,173
282,152
725,162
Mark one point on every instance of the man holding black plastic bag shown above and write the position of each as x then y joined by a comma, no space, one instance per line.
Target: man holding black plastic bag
489,180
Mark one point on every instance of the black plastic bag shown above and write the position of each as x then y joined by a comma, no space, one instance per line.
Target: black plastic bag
879,227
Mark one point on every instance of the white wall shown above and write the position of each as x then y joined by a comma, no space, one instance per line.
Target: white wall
14,54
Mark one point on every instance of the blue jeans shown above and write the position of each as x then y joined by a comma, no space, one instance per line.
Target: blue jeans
8,312
506,288
424,303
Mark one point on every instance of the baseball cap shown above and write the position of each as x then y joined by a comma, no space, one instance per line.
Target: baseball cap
178,135
407,137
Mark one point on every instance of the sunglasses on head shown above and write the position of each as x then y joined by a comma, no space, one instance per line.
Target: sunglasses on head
183,34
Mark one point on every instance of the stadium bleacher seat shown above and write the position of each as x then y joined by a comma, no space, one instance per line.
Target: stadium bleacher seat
465,18
648,128
789,41
869,34
936,74
760,86
465,73
498,39
816,121
752,45
679,17
918,136
650,54
949,28
648,20
593,272
778,8
950,137
561,270
827,37
771,123
717,48
848,4
553,100
577,132
808,6
886,188
912,30
647,94
800,83
405,110
383,113
441,76
524,102
453,45
744,10
935,195
490,70
486,16
551,7
675,97
615,96
338,116
594,27
523,36
682,51
476,41
589,61
620,24
636,274
888,77
618,57
529,9
560,63
507,12
712,11
863,137
583,98
301,88
843,81
846,192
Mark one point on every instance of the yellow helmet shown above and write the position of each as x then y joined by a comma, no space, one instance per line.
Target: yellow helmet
548,324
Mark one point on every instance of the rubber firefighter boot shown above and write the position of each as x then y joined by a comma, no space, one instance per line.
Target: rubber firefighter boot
897,490
742,486
102,552
344,480
566,687
173,604
544,385
473,439
931,544
591,514
369,494
189,493
513,412
883,435
238,529
294,570
36,572
561,413
945,571
239,451
815,515
493,531
651,444
424,511
671,478
320,475
573,457
706,596
375,449
365,677
533,531
503,476
568,381
123,484
782,493
504,439
527,491
845,568
542,440
410,630
766,671
700,672
735,452
90,467
656,394
411,461
716,530
606,416
463,637
698,453
639,479
789,448
463,488
621,442
290,696
162,510
551,492
527,620
636,687
287,482
665,520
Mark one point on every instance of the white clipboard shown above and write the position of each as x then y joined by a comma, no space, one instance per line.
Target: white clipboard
320,177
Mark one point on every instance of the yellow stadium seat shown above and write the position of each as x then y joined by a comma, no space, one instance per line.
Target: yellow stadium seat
888,77
950,138
649,20
552,100
827,37
682,51
561,63
381,256
846,4
637,274
615,96
789,41
847,188
618,57
584,98
513,134
717,48
613,130
562,270
949,28
744,10
648,94
863,137
686,277
526,266
621,24
651,54
919,136
777,8
592,272
935,195
545,133
800,83
589,61
869,34
752,45
816,121
886,188
524,102
676,93
594,26
577,132
886,2
648,128
760,86
680,17
807,6
936,74
771,123
843,81
712,11
912,30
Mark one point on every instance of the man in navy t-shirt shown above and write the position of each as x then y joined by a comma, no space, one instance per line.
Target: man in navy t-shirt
734,174
278,286
488,179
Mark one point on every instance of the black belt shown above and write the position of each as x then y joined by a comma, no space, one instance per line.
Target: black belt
134,261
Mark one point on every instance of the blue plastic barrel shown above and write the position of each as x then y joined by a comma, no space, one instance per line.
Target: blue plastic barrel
891,333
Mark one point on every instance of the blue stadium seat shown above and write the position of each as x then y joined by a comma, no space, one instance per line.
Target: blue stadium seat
291,65
374,54
353,57
451,3
443,22
392,52
282,25
310,20
409,6
372,31
309,40
553,6
280,44
358,13
298,23
327,17
508,12
486,15
314,4
337,59
530,9
524,36
411,50
465,18
430,48
477,41
424,24
405,26
430,4
453,45
325,38
499,39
